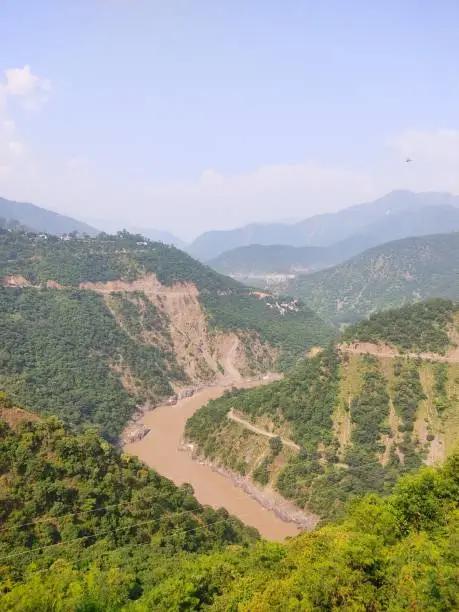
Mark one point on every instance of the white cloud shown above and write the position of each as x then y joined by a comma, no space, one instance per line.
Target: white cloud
31,90
214,200
11,148
271,192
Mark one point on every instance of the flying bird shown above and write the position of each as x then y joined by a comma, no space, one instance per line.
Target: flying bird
408,160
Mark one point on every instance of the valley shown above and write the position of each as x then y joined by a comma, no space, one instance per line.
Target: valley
96,329
229,306
258,442
163,449
349,419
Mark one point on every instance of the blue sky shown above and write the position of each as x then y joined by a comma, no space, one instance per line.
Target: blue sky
199,114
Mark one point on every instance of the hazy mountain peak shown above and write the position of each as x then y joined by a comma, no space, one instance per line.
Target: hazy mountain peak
325,229
40,219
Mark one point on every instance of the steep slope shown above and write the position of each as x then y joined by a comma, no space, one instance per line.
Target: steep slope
424,327
39,219
92,328
379,219
383,277
84,528
60,488
360,414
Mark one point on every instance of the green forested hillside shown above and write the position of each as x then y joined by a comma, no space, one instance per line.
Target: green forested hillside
384,277
60,349
84,528
229,304
421,327
91,356
102,259
74,499
359,420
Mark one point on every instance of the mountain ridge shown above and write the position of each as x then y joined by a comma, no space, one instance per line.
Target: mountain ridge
355,416
39,219
259,260
385,276
135,322
320,230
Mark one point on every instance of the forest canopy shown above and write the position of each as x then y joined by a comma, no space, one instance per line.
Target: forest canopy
95,530
420,327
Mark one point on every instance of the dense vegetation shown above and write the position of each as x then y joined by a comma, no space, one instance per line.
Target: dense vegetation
305,399
74,497
384,277
281,322
229,304
96,531
421,327
105,258
63,353
337,409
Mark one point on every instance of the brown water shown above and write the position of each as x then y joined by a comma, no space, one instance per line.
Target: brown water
160,450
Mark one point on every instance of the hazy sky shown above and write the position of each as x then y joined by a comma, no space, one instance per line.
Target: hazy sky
198,114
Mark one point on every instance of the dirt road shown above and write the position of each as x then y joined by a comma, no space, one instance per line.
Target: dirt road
260,431
162,450
384,350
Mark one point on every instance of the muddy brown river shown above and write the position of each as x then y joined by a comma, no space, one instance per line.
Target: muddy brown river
160,450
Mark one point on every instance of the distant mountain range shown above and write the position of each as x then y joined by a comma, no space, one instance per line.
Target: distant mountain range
386,276
396,215
282,259
39,219
258,259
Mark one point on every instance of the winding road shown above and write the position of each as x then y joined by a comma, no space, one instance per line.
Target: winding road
384,350
258,430
162,449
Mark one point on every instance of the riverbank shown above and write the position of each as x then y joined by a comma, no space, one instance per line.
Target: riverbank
162,449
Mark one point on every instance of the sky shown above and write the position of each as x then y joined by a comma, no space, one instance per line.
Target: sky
191,115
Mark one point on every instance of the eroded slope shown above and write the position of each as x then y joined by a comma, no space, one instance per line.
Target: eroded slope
94,329
360,418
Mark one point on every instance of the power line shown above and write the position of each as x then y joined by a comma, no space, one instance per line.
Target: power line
78,512
127,546
110,531
168,515
50,519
